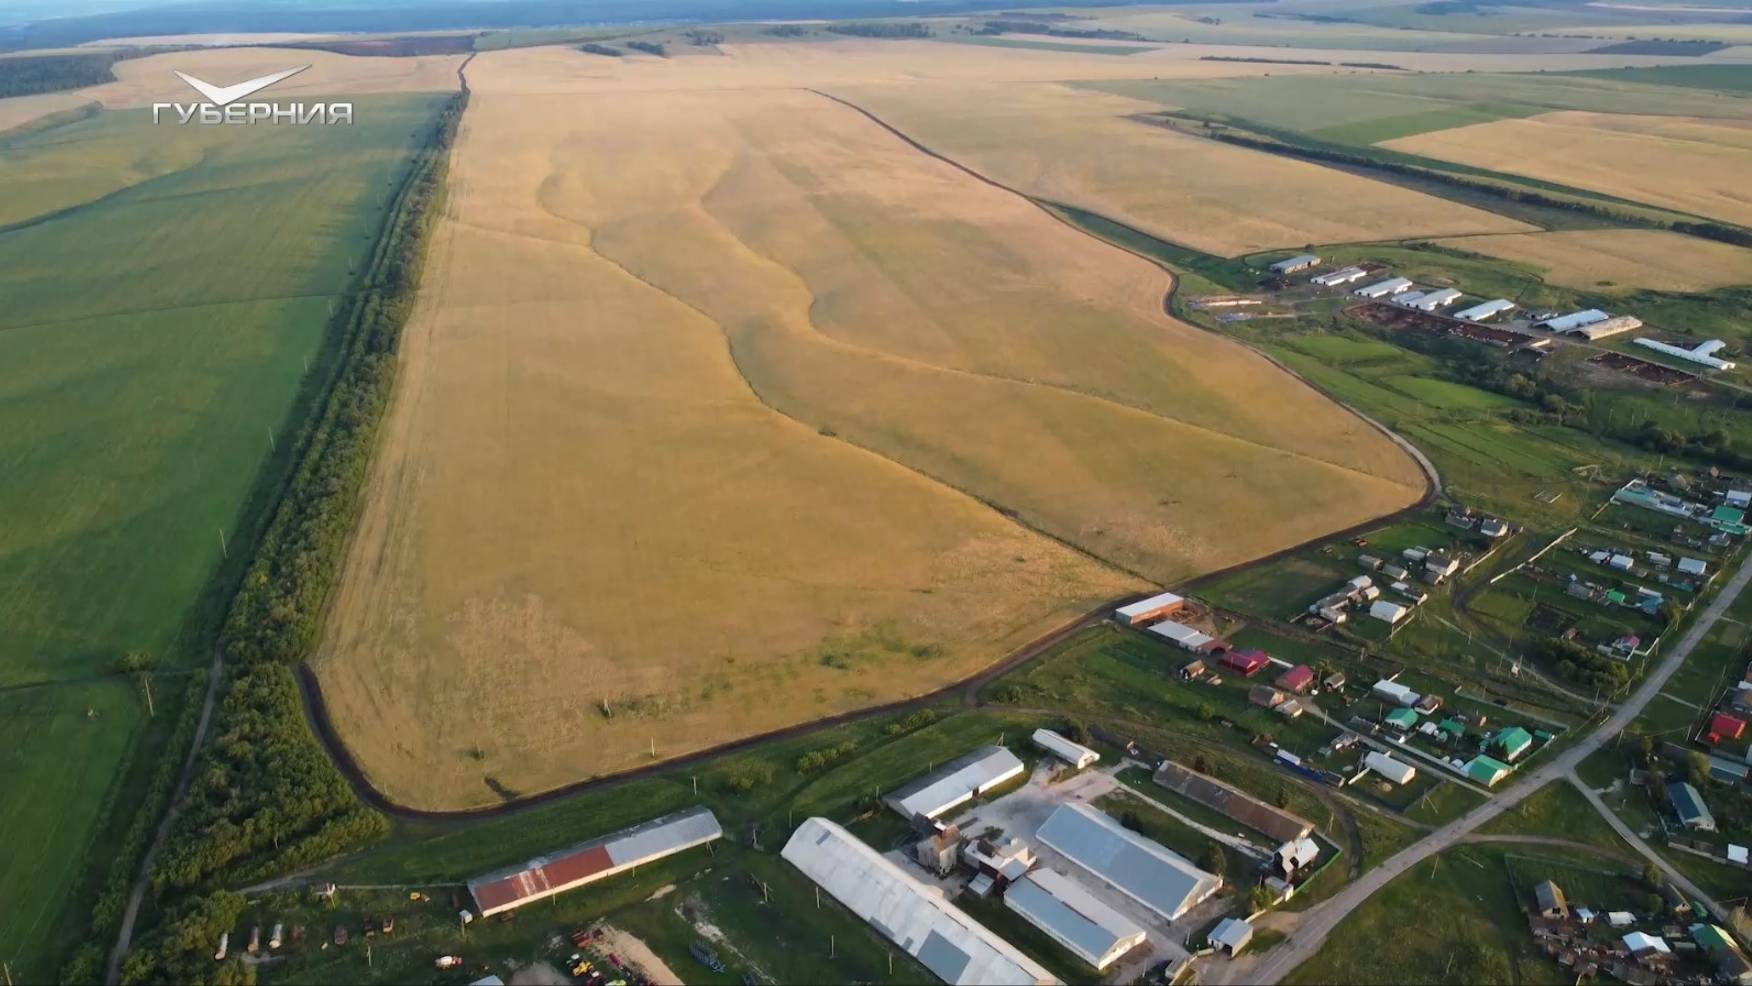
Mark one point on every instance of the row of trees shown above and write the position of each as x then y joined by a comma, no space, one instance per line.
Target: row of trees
885,29
265,798
28,75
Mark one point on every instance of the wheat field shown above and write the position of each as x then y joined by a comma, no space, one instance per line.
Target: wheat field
1627,259
714,398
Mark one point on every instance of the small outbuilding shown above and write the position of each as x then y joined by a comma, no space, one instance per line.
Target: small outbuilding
1402,719
1512,742
1066,749
1549,900
1231,935
1389,613
1246,663
1297,679
1384,765
1689,806
1725,728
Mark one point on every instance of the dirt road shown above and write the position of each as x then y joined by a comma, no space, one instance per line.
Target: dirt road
1319,920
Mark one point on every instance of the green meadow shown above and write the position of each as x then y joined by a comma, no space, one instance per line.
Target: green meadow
159,330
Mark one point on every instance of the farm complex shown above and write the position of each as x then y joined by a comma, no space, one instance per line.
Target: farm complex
1202,493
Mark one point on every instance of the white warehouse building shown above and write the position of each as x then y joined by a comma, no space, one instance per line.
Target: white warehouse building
1147,872
912,914
956,783
1574,320
1489,309
1070,751
1072,916
1381,289
1432,300
1386,766
1343,275
1702,354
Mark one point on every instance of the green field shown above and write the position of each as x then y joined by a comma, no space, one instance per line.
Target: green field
1726,78
151,343
65,747
154,348
1479,939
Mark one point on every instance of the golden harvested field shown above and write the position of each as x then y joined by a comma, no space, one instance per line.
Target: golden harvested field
19,110
1682,163
1081,148
709,401
1627,258
142,81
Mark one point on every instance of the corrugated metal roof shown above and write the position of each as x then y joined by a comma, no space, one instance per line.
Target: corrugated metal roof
957,781
1143,607
1392,285
908,912
1386,766
1146,871
1065,749
1072,916
1486,310
515,886
1575,320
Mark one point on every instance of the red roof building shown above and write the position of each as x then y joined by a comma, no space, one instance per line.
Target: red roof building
1296,679
1246,663
1725,727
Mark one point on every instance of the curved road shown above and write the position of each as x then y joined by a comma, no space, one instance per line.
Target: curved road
1318,921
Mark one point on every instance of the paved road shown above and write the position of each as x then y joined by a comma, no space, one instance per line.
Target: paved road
1319,920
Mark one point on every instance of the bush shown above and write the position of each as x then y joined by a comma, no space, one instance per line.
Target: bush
745,777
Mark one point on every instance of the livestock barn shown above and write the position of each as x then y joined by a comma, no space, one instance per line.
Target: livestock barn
544,877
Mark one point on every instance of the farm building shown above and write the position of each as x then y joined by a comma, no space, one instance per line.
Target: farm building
1395,692
1487,770
1071,752
909,913
1738,499
1430,301
1280,825
1334,681
956,783
1193,670
1604,329
999,862
1402,719
1290,709
1574,320
1723,727
1297,854
1512,742
1246,663
1344,275
1730,962
1297,679
1231,935
1147,872
1157,607
1301,261
1493,527
1692,566
1386,766
540,878
1369,562
938,852
1381,289
1549,901
1072,916
1637,493
1702,354
1438,566
1689,806
1489,309
1386,612
1183,636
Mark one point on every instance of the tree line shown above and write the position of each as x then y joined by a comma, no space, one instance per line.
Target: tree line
32,74
265,798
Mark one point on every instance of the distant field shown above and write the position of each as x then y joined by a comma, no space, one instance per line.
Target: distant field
908,348
1727,78
1087,49
1691,165
56,767
1625,259
1080,148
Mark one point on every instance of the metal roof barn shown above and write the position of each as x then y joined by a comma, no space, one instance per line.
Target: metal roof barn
1301,261
1575,320
956,783
1478,313
1072,916
1386,766
1144,610
1433,300
1070,751
1393,691
1232,934
1381,289
1147,872
1182,635
912,914
1343,275
546,876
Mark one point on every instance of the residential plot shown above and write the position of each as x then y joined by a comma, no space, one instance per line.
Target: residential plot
1692,165
1651,259
1086,149
584,544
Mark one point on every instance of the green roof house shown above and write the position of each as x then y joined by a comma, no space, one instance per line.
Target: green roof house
1487,770
1512,742
1403,719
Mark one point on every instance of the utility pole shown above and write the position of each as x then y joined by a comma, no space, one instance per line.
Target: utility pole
146,680
223,552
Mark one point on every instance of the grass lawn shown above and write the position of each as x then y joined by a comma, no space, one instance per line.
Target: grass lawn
1557,809
1480,937
60,768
